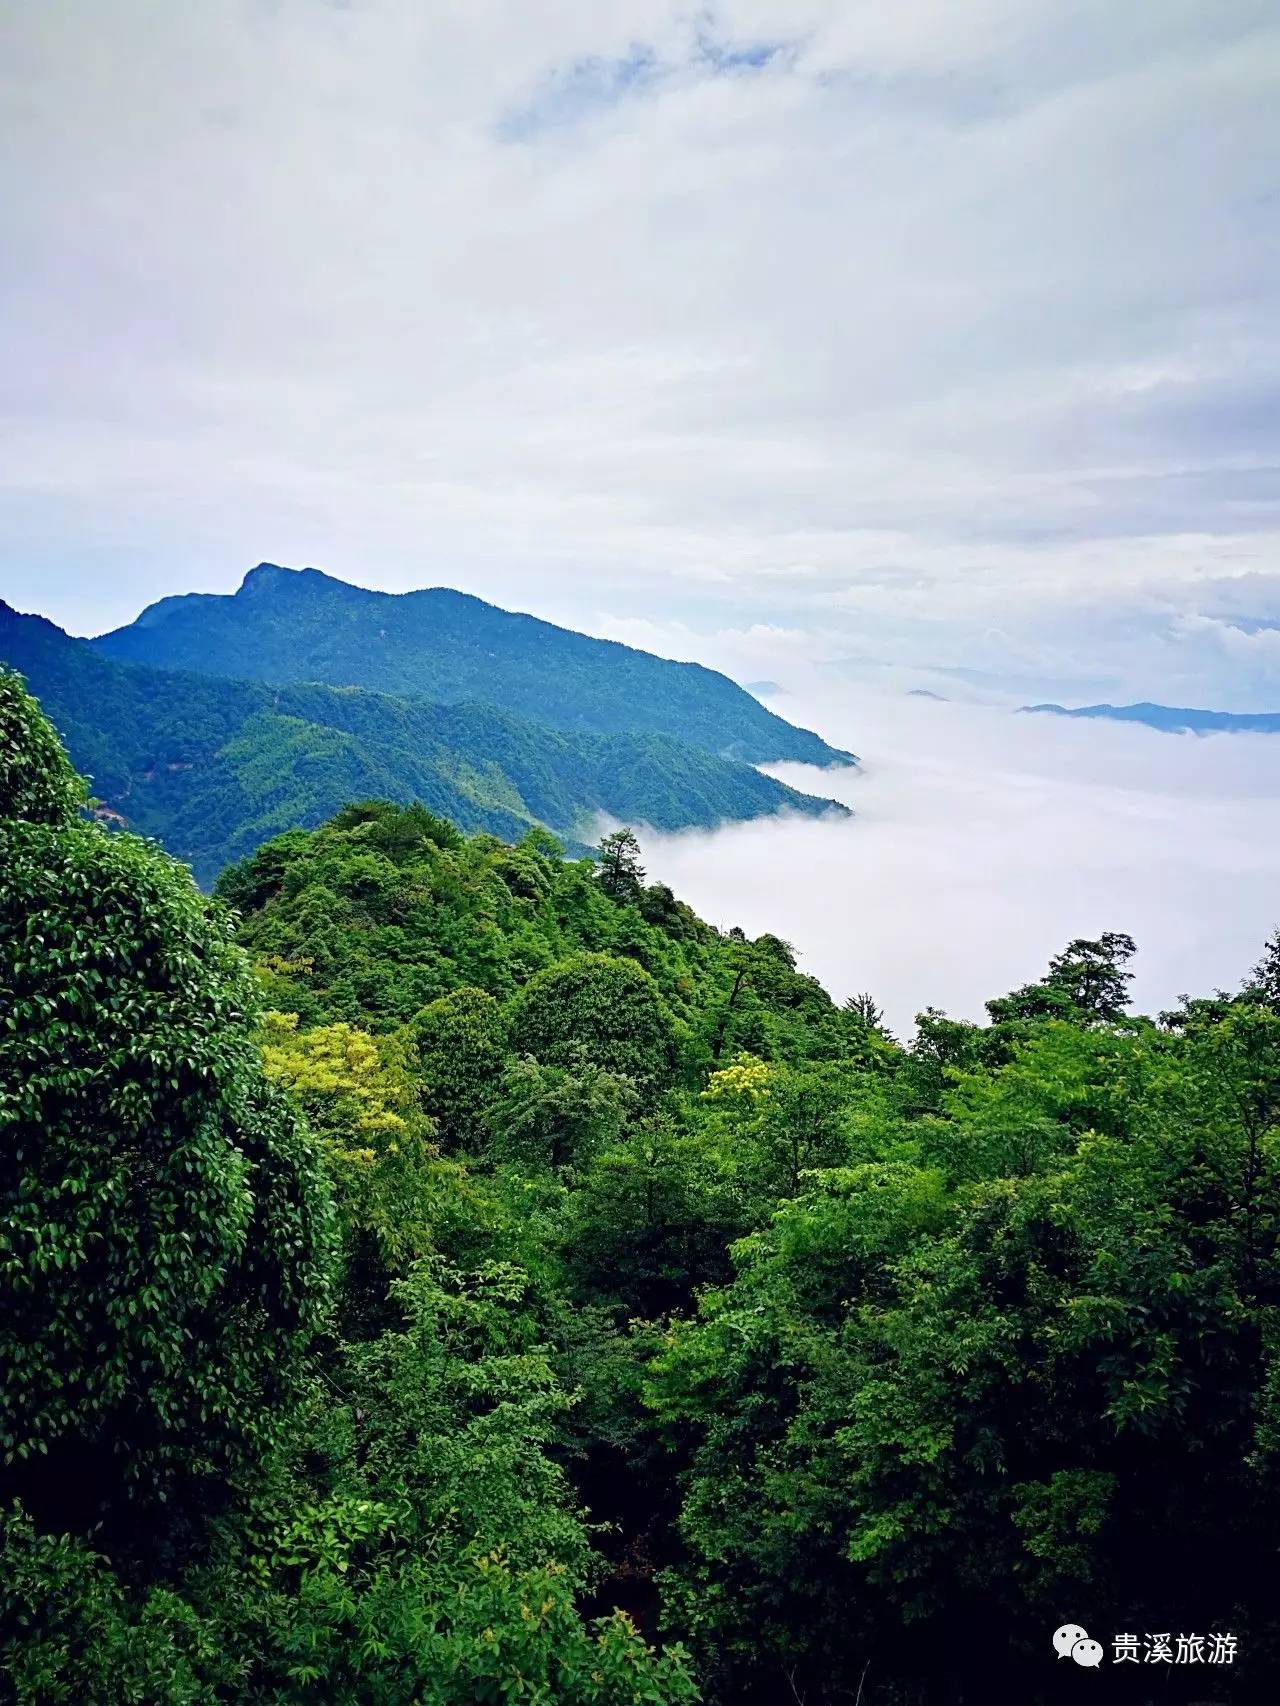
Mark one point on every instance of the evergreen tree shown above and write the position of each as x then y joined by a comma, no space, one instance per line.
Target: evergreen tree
621,874
1086,981
1263,982
461,1042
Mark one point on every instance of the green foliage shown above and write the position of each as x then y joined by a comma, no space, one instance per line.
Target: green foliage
394,1196
37,782
438,1558
429,1557
75,1637
549,1116
783,1123
165,1222
214,767
652,1219
461,1043
447,647
220,1500
1032,1371
1263,982
1086,982
375,918
602,1009
854,1366
621,873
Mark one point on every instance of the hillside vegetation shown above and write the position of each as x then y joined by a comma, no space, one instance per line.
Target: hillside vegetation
485,1281
213,767
300,625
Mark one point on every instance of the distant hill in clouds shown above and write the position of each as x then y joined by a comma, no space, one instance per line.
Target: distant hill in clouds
1173,719
212,766
292,625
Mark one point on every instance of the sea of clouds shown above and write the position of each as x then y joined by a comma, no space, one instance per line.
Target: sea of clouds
985,839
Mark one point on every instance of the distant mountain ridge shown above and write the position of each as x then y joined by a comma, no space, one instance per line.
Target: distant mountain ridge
213,766
1172,719
293,625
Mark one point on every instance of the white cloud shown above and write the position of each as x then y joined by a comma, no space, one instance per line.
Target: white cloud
928,330
984,841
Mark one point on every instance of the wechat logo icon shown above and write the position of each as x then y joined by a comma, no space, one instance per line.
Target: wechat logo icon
1071,1641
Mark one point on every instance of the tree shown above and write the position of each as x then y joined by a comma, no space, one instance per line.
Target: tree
1263,982
424,1550
167,1223
609,1011
441,1559
659,907
1086,981
651,1220
780,1122
866,1010
462,1043
391,1190
621,874
550,1116
1031,1361
37,783
260,878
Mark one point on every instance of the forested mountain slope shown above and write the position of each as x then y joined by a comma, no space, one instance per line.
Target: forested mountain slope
487,1243
212,767
301,625
381,911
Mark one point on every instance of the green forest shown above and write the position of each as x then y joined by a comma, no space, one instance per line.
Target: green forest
290,625
212,767
439,1270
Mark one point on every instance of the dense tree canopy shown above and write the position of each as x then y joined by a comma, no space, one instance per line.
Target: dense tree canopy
1026,1361
215,1485
461,1043
600,1008
165,1220
689,1337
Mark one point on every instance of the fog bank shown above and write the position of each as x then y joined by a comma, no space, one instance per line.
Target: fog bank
984,840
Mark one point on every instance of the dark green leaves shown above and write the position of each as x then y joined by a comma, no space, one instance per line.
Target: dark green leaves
37,782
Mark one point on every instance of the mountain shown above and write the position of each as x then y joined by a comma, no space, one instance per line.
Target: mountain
212,767
1173,719
288,625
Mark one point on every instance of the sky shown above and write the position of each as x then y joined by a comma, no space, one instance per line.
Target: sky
865,336
984,841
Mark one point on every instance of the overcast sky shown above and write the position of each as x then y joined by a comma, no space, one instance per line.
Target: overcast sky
934,333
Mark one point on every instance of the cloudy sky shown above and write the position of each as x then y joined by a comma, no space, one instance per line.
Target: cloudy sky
925,333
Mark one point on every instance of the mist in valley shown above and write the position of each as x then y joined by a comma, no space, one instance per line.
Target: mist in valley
984,839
